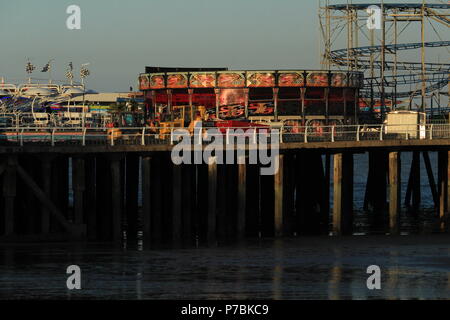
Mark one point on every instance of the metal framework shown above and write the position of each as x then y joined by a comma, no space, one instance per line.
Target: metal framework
348,43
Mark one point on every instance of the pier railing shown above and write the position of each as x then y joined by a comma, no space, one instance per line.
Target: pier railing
83,136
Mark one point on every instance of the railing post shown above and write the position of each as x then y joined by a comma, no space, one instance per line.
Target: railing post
53,137
431,132
171,137
281,135
143,137
332,134
112,137
227,136
255,139
84,137
357,132
306,134
381,132
21,137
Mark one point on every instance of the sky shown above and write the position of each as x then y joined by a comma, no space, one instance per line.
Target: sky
119,38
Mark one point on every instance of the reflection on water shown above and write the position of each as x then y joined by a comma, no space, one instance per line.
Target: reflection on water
413,267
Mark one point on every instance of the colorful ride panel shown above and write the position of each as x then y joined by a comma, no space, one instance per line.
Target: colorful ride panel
250,79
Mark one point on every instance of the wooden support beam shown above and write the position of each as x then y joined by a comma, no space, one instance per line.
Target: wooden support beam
90,211
394,192
242,201
40,194
431,182
146,198
278,203
9,193
46,171
78,185
156,177
188,196
416,186
176,203
343,194
116,191
131,195
443,157
212,201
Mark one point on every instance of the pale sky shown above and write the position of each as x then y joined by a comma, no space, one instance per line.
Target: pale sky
119,38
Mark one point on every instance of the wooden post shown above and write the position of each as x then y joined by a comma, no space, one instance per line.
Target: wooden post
46,187
337,194
242,197
176,204
394,192
131,195
278,185
146,198
9,193
343,194
78,184
156,199
431,181
116,192
444,189
90,196
188,196
212,203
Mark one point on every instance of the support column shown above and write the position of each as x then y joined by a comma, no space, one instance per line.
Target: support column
176,204
242,197
278,185
78,179
343,194
46,168
188,196
116,193
394,192
443,188
90,196
146,196
131,195
9,193
212,203
156,199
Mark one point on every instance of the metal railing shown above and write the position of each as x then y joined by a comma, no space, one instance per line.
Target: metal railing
142,136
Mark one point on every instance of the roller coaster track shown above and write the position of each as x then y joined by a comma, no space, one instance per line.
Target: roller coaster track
436,77
362,58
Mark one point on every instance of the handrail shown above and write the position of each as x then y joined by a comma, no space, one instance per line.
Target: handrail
144,135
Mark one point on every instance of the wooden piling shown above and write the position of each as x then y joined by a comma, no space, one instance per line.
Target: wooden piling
131,195
212,201
343,194
46,176
176,204
278,202
188,199
394,192
78,185
241,198
146,198
9,193
443,188
116,197
90,196
156,177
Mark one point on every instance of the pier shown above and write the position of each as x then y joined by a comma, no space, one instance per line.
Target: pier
122,187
